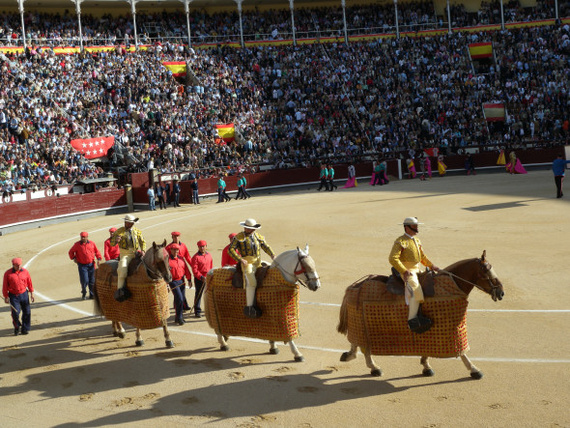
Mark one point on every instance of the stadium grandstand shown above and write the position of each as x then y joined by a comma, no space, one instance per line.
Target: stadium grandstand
90,87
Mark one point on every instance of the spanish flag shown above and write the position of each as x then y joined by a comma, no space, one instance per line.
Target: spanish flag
178,68
494,112
481,50
226,132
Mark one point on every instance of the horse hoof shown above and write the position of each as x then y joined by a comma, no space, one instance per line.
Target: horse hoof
428,372
274,351
299,359
116,334
224,348
121,334
344,357
139,342
477,375
376,372
169,344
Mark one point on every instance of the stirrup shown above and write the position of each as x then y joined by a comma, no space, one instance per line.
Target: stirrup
420,324
252,311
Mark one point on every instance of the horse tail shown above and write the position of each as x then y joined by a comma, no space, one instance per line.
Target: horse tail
342,326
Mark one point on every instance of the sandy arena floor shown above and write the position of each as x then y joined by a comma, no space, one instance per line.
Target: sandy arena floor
70,371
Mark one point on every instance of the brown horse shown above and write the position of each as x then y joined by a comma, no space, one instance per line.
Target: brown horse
148,305
375,320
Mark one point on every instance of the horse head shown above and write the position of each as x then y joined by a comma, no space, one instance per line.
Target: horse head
298,266
156,261
487,279
308,269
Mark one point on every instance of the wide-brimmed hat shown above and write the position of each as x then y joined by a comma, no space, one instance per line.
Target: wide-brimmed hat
131,218
250,223
411,221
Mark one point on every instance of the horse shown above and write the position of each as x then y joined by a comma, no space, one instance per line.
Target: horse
147,274
375,319
277,296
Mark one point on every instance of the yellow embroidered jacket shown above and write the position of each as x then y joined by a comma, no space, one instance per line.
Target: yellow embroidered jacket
136,242
248,246
406,254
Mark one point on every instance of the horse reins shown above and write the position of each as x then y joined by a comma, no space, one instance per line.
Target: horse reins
302,270
491,283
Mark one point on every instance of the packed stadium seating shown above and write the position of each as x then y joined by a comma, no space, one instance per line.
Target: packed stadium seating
291,105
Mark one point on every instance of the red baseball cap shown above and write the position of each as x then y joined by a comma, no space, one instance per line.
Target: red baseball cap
16,261
174,247
201,243
84,234
113,229
175,233
232,235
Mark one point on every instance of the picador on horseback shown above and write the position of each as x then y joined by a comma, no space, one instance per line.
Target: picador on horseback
246,249
131,242
406,255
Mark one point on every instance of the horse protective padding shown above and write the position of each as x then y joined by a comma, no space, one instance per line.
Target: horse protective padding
278,300
378,320
146,308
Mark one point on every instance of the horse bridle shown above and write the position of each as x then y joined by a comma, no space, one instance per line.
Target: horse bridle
155,271
488,274
303,270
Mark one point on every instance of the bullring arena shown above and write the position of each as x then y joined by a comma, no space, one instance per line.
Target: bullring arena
70,370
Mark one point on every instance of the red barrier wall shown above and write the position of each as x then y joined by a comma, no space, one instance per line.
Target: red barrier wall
284,177
46,205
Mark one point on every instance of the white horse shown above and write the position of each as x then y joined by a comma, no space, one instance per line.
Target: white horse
296,267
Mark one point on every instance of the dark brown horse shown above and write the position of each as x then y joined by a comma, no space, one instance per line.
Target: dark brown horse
153,268
466,275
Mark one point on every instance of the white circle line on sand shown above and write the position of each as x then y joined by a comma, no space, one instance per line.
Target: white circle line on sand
340,351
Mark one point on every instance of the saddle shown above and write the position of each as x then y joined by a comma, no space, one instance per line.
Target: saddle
395,283
260,274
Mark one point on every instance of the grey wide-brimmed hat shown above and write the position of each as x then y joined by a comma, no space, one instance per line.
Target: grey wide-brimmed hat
131,218
410,221
250,223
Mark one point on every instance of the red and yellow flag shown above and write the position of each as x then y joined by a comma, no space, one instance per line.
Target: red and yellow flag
481,50
226,132
494,112
178,68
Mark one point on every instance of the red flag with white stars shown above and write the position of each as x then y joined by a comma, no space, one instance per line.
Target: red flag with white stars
93,148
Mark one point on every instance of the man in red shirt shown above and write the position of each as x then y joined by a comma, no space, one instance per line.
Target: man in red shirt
178,269
228,260
83,253
201,264
185,254
17,283
112,252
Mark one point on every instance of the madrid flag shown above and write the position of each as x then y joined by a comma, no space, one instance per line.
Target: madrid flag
93,148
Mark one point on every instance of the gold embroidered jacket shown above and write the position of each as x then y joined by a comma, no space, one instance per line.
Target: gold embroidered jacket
136,242
407,254
248,246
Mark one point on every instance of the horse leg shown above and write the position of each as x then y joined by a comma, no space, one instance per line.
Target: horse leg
273,349
427,371
118,330
169,343
298,356
350,355
139,341
374,369
475,372
222,341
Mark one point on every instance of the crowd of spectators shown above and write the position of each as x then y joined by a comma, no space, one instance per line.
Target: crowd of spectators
275,24
292,106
